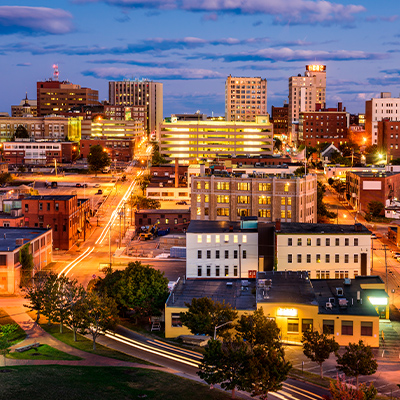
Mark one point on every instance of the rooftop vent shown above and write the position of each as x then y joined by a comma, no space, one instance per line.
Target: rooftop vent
339,291
229,284
347,281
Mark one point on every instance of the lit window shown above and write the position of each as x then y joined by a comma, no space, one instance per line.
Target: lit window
208,238
199,238
198,212
244,238
217,239
235,238
226,238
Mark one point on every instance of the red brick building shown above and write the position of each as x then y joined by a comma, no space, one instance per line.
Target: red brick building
118,149
280,118
177,220
65,214
324,126
364,187
388,139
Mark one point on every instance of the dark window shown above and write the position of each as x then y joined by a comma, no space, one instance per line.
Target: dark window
26,207
244,253
3,259
208,270
346,241
140,221
235,254
355,242
149,221
347,328
306,325
235,270
199,270
299,258
318,242
366,328
64,228
290,258
176,319
289,241
328,326
198,253
208,253
40,206
216,253
56,206
48,207
226,253
226,270
217,270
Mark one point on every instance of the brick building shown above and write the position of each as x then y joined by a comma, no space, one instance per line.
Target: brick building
118,149
177,220
388,139
364,187
65,214
280,118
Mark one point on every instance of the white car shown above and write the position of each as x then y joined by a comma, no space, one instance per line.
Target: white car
97,185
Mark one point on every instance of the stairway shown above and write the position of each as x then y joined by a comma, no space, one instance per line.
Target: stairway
389,340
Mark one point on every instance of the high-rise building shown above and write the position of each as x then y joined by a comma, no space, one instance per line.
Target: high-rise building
55,97
377,109
245,98
140,93
279,116
306,93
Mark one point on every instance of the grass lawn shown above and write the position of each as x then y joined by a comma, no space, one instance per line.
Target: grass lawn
19,334
43,352
100,383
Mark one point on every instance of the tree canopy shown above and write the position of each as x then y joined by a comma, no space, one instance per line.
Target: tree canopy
144,181
322,210
143,203
21,132
98,159
375,208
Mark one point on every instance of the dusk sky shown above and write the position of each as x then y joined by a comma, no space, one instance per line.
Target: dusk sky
191,46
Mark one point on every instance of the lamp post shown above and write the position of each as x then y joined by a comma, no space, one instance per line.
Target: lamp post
220,326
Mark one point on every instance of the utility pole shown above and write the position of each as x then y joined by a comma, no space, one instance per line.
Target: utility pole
386,269
120,222
240,261
109,242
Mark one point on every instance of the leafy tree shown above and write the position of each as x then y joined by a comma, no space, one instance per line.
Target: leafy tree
375,208
331,181
357,360
299,171
142,202
204,315
62,293
21,132
6,333
98,159
318,347
138,287
26,260
277,144
157,158
49,296
5,177
144,181
35,293
76,319
339,390
322,210
100,315
396,161
349,148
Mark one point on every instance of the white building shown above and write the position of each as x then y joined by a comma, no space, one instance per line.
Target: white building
324,250
377,109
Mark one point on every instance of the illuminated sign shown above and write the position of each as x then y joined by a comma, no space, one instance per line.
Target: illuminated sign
378,301
316,68
286,312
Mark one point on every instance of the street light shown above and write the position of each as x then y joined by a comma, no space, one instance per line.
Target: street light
220,326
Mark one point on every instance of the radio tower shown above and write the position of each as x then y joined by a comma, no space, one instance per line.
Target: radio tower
55,72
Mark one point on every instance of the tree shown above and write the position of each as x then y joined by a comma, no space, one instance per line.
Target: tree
100,315
62,290
339,390
331,181
318,347
144,181
300,171
277,144
375,208
6,333
204,315
35,293
98,158
396,161
26,260
5,177
322,210
50,296
142,202
157,158
21,132
357,360
76,318
139,288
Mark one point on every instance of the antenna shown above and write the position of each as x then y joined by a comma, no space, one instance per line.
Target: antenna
55,72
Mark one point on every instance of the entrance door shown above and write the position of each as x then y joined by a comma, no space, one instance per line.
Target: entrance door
363,263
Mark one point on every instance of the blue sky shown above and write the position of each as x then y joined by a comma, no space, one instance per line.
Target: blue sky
193,45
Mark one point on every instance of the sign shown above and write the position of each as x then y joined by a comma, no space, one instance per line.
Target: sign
287,312
316,68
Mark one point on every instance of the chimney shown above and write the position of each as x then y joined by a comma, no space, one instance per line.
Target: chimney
340,106
278,225
176,173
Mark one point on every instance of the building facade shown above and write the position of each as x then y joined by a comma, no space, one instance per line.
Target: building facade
25,107
56,97
306,93
118,149
245,98
177,220
142,93
191,141
280,118
388,139
377,109
325,251
111,129
268,197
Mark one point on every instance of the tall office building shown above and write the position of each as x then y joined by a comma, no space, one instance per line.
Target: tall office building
245,98
55,97
306,93
140,93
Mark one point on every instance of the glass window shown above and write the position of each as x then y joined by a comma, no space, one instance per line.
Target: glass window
355,241
346,241
199,238
217,270
289,214
208,239
283,214
235,238
226,238
355,258
308,258
208,253
318,242
336,258
347,328
198,185
226,270
176,320
198,211
244,253
208,270
318,258
289,201
327,242
327,258
206,185
328,326
235,254
289,241
337,242
306,325
243,186
346,258
198,253
206,198
199,198
309,242
292,325
244,238
283,201
366,328
216,253
235,270
290,258
199,270
217,238
226,253
299,242
299,258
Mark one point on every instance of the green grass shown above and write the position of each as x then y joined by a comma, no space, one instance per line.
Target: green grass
43,352
100,383
19,335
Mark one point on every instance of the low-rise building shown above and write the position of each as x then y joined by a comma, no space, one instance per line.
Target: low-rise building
325,251
11,242
388,139
100,128
176,220
118,149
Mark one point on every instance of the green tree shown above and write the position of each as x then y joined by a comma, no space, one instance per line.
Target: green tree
396,161
341,391
375,208
26,260
100,315
76,319
357,360
61,308
299,171
322,210
6,333
204,315
277,144
50,296
5,177
318,347
139,288
143,203
21,133
98,159
157,158
35,293
144,181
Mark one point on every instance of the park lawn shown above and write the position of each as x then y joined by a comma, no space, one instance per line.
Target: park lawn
19,335
43,352
100,383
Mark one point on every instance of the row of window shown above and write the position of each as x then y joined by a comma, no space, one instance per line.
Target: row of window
217,270
217,254
318,258
218,238
265,187
318,241
329,326
245,199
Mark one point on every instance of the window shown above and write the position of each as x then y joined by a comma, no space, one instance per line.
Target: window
206,185
289,241
243,199
226,253
327,258
336,258
199,270
318,258
175,221
328,326
56,206
222,185
222,198
355,241
355,258
217,270
40,206
286,187
292,325
216,253
347,328
48,206
337,242
299,242
346,258
217,238
264,187
308,258
198,211
290,258
26,208
176,320
244,239
243,186
235,270
208,270
226,238
226,270
206,198
244,253
318,242
327,242
208,253
283,214
283,201
222,212
299,258
199,238
308,242
306,325
235,238
198,253
346,241
366,328
208,238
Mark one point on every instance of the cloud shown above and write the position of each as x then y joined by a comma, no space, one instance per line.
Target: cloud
152,63
287,11
257,23
211,17
115,73
391,71
34,20
385,81
27,64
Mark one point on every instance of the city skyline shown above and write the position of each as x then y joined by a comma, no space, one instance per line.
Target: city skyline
191,47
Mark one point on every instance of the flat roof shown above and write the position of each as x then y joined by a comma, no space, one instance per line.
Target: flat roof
197,226
326,289
164,211
8,236
300,227
228,290
60,197
378,174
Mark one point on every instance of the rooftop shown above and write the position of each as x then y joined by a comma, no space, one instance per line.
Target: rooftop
300,227
197,226
235,292
367,174
8,236
164,211
63,197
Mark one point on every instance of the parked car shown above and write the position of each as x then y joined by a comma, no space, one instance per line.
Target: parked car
97,185
396,255
181,203
373,236
100,191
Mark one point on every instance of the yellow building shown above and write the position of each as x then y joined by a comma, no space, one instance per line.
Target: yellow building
349,310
